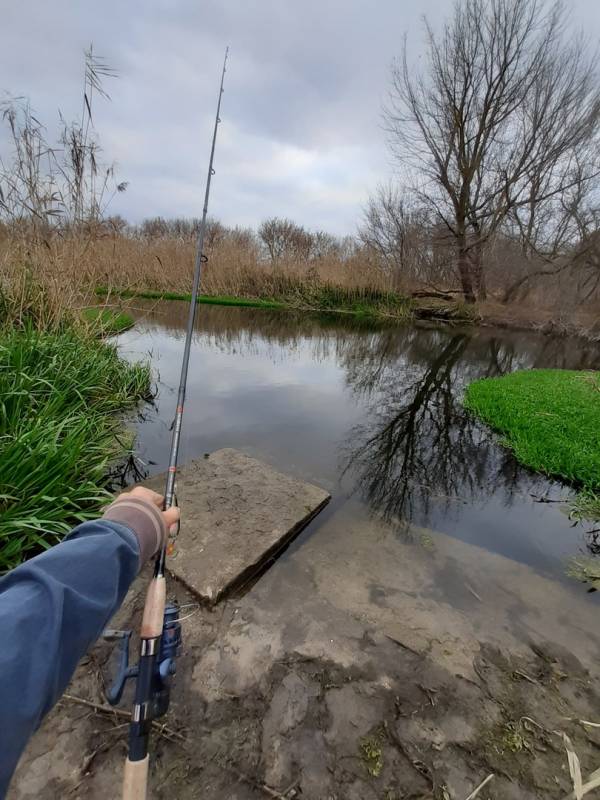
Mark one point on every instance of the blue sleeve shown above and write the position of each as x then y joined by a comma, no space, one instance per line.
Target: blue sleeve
52,608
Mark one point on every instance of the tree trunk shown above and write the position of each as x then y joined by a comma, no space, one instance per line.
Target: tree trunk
464,268
478,275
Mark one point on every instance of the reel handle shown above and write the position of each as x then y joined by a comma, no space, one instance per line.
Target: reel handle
124,671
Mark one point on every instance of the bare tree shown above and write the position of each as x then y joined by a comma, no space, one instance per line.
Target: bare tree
500,128
323,244
404,238
283,238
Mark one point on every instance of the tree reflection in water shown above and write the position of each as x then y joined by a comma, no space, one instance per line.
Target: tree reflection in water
418,450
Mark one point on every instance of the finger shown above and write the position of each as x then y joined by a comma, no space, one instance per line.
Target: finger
171,515
147,494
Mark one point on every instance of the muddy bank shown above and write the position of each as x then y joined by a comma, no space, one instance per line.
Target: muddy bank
362,665
574,323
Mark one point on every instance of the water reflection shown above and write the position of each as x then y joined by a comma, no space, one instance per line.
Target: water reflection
419,455
418,448
375,414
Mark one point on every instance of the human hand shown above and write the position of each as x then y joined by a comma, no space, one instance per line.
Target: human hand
171,516
141,510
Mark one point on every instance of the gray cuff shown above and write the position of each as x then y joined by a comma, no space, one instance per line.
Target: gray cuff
144,519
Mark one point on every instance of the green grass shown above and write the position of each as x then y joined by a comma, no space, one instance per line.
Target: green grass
60,395
217,300
107,321
549,418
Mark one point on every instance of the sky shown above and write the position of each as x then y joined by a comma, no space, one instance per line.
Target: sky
301,135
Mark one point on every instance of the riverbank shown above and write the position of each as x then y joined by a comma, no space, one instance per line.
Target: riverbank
550,420
435,618
61,394
373,304
411,672
580,322
389,306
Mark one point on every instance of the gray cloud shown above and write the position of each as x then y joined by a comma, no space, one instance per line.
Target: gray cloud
301,133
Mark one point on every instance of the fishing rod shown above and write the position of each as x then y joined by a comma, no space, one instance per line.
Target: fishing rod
160,635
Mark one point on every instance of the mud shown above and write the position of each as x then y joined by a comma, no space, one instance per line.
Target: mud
361,665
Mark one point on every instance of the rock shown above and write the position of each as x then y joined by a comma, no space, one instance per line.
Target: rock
237,513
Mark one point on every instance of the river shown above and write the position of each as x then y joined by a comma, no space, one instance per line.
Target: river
372,414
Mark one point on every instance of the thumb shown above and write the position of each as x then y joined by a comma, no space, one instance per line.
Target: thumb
171,516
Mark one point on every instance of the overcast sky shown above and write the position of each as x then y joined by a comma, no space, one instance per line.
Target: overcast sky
301,134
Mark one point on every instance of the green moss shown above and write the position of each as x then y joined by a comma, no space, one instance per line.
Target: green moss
107,321
426,542
372,754
549,418
514,738
585,569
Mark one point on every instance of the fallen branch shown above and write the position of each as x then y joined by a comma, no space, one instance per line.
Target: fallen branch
476,791
161,729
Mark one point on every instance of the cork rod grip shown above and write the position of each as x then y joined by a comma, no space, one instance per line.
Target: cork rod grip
135,779
154,608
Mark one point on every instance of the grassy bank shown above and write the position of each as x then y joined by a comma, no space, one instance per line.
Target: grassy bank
104,321
327,299
550,419
217,300
60,395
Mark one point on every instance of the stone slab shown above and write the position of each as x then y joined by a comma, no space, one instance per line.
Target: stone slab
236,514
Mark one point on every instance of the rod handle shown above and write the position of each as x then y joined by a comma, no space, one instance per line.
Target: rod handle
154,608
135,779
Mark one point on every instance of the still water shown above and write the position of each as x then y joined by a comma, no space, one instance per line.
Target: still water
374,415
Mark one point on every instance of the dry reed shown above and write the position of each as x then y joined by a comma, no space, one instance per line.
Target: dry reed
59,273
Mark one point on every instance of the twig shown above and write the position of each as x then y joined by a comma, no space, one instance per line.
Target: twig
162,729
403,644
474,593
527,677
476,791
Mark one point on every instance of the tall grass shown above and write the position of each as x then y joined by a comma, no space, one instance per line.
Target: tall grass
59,396
61,275
166,265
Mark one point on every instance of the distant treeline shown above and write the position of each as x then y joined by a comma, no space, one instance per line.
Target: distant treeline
496,135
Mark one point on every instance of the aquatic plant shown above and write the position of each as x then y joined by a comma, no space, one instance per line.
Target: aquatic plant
549,418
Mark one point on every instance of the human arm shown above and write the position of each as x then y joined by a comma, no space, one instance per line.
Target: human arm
53,607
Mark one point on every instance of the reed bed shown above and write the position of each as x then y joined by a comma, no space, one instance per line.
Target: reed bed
69,270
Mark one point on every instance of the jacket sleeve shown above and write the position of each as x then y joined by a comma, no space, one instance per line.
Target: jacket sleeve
52,608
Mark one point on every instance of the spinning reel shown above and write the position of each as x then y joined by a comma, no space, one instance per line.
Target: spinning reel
165,666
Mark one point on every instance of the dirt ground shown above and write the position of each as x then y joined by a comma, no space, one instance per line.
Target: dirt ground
578,322
361,665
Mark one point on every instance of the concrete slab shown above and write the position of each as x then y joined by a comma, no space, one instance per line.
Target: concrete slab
237,513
